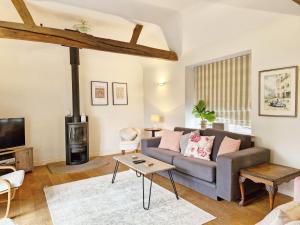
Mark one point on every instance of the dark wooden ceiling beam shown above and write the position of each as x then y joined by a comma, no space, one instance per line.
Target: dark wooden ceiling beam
136,33
23,12
297,1
79,40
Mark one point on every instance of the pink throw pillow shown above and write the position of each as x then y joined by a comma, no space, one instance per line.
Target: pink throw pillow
199,146
229,145
170,140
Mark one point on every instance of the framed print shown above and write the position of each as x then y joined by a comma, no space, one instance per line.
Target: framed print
120,93
278,92
99,93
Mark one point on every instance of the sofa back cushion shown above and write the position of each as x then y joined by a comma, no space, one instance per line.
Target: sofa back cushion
220,135
185,130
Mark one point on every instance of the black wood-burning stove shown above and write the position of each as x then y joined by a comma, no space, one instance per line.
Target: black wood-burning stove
77,135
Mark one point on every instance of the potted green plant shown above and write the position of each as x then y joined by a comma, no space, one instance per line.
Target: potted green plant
200,111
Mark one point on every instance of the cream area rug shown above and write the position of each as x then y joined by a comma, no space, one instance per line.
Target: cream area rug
96,201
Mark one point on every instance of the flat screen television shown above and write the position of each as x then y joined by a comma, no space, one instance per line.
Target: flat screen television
12,133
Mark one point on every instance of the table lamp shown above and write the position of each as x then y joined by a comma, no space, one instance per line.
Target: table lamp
155,119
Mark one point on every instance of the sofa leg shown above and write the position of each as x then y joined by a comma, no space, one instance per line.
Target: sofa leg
219,199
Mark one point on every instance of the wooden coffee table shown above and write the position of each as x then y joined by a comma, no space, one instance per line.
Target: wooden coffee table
142,170
271,175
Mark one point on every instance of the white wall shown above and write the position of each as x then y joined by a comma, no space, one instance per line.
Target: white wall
219,30
106,121
35,83
167,100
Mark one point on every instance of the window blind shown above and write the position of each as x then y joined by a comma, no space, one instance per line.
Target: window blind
225,87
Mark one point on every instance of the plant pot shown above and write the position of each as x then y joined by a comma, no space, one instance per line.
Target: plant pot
203,124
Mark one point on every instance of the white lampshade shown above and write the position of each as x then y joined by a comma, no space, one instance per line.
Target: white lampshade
155,118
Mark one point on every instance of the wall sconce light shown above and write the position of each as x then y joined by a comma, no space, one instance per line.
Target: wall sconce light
162,83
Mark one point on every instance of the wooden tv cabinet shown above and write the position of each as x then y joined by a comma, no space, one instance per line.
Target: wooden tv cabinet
23,157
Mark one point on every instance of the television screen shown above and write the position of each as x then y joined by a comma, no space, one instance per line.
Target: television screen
12,132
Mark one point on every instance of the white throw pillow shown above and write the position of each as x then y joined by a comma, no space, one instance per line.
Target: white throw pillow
279,214
128,134
275,217
296,222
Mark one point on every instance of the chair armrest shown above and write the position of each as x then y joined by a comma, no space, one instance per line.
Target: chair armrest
5,182
150,142
229,166
8,168
297,189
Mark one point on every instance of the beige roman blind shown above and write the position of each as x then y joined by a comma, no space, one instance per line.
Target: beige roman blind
225,87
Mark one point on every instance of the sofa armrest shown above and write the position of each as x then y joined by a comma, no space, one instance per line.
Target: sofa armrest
150,142
229,166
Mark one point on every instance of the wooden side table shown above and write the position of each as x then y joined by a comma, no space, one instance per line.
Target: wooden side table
153,130
271,175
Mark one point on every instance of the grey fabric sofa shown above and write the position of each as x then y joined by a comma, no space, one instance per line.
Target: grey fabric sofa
217,178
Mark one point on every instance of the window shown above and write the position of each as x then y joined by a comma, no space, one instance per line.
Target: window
225,86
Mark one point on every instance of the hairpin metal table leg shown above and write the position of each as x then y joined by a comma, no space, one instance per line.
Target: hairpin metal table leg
115,172
138,174
149,199
173,183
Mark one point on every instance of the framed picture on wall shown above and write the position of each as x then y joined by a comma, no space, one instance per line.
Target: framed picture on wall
99,93
278,92
120,93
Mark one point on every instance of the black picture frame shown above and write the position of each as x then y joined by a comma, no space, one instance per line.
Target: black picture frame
93,99
295,87
125,100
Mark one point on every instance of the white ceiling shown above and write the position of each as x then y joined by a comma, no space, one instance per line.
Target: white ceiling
168,14
177,5
279,6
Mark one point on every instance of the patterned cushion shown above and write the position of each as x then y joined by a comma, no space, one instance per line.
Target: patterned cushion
229,145
199,146
184,140
170,140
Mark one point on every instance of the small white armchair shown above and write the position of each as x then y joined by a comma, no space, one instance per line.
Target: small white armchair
9,183
7,221
130,139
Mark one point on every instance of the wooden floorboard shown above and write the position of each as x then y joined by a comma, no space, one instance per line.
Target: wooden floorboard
30,206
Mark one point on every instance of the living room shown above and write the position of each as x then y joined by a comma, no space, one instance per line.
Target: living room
167,48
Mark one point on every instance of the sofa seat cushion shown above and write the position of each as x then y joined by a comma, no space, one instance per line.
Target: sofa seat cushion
164,155
199,168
